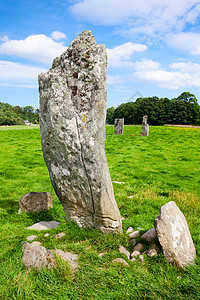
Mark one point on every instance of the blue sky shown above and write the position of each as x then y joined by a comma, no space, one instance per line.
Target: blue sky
153,46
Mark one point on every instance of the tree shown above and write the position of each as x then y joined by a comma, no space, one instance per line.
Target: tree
110,118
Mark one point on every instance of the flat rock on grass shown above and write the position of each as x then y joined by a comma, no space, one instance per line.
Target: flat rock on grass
37,256
120,260
174,235
44,225
124,251
71,258
134,234
35,202
31,238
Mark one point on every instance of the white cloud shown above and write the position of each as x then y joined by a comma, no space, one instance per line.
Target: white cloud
114,80
57,35
179,74
158,16
187,41
39,48
15,74
120,56
4,38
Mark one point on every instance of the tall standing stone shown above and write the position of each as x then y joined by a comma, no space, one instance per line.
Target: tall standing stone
145,127
174,235
119,126
72,123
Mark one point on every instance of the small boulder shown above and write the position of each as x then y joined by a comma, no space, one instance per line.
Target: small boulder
124,251
35,202
174,235
139,247
60,235
135,253
31,238
150,235
71,258
37,256
120,260
141,258
129,230
153,251
44,225
134,234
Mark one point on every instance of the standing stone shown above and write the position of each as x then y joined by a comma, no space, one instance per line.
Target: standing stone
174,235
35,202
119,126
145,127
72,123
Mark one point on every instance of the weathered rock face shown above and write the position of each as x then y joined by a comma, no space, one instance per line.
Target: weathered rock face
145,127
174,235
35,202
72,122
119,126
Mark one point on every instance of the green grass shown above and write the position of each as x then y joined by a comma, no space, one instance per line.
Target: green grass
156,169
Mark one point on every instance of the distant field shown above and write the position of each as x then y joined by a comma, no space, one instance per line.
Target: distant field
17,127
156,169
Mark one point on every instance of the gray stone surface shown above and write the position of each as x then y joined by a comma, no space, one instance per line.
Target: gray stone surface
37,256
126,252
120,260
138,247
135,253
31,238
129,230
153,251
44,225
119,126
174,235
71,258
145,127
150,235
60,235
134,234
35,202
72,123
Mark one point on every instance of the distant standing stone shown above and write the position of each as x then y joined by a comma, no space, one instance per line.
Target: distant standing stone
72,123
145,127
119,126
35,202
174,235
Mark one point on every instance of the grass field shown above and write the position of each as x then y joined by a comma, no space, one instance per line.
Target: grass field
156,169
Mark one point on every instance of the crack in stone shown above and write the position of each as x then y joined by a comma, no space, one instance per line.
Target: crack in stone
84,166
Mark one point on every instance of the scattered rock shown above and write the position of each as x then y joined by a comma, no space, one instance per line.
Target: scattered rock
129,230
37,256
120,260
130,197
150,235
174,235
133,242
119,182
35,202
126,252
141,258
135,253
133,259
102,254
88,247
139,247
153,251
46,234
36,243
31,238
71,258
60,235
134,234
44,225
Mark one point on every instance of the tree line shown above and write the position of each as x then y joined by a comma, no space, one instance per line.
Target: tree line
16,115
181,110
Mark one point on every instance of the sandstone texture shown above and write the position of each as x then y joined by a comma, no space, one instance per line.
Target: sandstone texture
35,202
174,235
72,123
37,256
119,126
